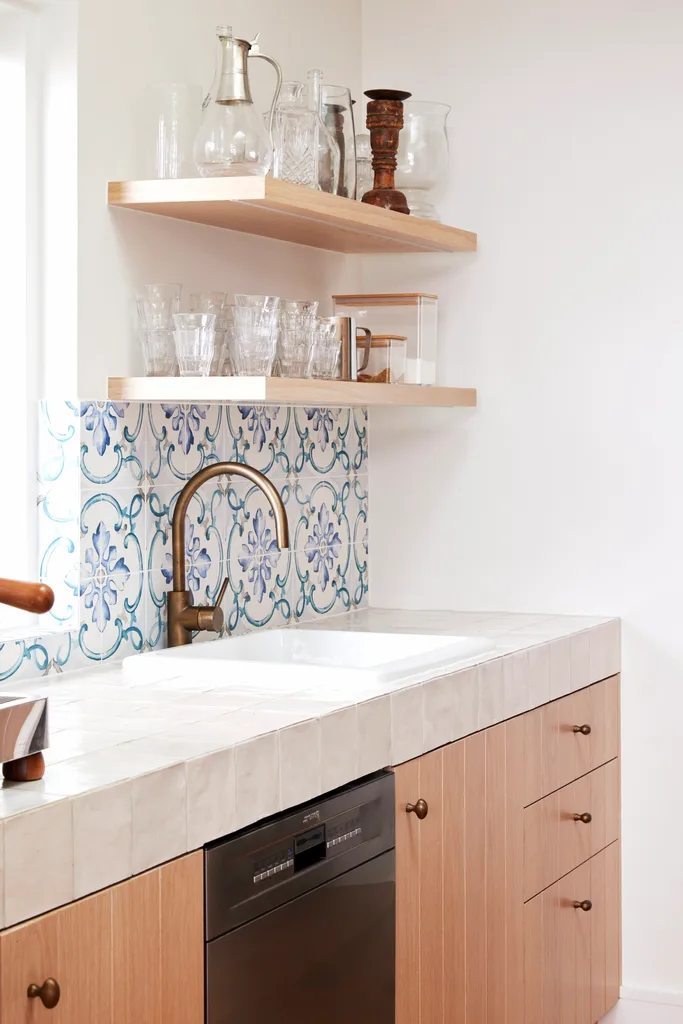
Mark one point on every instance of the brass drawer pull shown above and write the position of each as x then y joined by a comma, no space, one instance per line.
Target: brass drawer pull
419,809
48,993
586,818
583,905
585,730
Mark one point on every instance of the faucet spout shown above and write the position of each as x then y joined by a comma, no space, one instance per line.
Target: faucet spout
183,617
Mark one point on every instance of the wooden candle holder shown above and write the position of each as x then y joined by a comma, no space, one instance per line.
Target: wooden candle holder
385,120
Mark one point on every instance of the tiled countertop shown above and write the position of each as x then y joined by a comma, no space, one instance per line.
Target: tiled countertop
140,773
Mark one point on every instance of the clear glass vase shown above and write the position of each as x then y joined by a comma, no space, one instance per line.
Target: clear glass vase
326,145
337,108
422,155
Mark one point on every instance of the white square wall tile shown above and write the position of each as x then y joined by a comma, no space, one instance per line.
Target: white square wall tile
103,837
159,817
437,712
39,862
407,736
465,702
516,683
580,669
374,735
605,650
299,763
338,748
491,693
257,779
210,797
539,675
560,668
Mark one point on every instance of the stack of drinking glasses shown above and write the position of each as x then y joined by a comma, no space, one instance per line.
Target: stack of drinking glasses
216,303
256,319
157,304
324,361
297,327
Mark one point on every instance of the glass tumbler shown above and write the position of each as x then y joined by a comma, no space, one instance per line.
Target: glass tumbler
158,352
157,304
255,343
194,343
207,302
324,361
294,346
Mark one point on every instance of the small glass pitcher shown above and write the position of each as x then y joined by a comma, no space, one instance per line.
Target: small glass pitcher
233,139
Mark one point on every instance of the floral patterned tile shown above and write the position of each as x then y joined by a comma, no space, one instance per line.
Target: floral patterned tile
181,439
358,446
112,564
258,436
257,570
112,443
322,542
319,439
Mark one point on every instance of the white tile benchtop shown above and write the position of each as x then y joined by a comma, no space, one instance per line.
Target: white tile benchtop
139,773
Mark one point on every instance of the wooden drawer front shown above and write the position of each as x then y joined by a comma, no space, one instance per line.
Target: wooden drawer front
555,754
571,956
555,842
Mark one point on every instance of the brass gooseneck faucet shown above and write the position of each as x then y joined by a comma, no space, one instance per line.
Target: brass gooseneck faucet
183,617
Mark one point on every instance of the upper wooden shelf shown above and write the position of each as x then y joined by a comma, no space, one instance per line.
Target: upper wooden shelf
292,213
284,391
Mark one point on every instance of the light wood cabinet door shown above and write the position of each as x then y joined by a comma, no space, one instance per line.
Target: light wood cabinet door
73,946
571,971
129,954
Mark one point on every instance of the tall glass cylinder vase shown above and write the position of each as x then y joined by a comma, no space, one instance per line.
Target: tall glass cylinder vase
326,145
337,110
423,155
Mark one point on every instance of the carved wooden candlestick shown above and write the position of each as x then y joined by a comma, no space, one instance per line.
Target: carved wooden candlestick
385,120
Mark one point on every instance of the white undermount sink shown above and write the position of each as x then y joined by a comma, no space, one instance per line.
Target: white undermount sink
312,657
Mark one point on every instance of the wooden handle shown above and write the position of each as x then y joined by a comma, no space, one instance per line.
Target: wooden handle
586,817
30,597
585,730
419,809
48,993
584,905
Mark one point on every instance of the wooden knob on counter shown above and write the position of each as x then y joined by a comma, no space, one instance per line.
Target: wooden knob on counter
30,597
583,905
48,993
419,809
585,730
586,818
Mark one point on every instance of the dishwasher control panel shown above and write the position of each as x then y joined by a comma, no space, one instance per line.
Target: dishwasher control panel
302,851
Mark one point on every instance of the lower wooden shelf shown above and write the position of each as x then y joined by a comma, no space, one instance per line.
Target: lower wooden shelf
284,391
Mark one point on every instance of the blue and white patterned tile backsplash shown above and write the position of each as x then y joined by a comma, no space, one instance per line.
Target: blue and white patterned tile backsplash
110,474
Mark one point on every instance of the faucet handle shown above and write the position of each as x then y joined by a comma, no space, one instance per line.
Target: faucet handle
212,617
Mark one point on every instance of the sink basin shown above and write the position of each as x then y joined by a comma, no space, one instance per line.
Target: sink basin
312,657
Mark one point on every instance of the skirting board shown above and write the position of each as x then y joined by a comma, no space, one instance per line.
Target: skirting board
646,1007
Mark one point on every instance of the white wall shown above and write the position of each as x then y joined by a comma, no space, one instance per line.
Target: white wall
563,491
120,56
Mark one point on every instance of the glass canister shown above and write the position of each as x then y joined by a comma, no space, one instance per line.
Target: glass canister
386,360
294,137
412,316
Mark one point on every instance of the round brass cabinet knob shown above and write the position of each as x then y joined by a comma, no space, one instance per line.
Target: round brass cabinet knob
586,818
48,993
585,730
419,809
583,905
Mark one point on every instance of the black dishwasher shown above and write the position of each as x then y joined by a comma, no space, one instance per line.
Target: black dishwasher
300,914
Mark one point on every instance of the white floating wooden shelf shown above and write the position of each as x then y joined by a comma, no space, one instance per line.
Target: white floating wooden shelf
284,391
292,213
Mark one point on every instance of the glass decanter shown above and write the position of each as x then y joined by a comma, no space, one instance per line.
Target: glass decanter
233,139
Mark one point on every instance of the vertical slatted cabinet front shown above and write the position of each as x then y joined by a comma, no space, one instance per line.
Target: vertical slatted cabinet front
487,930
